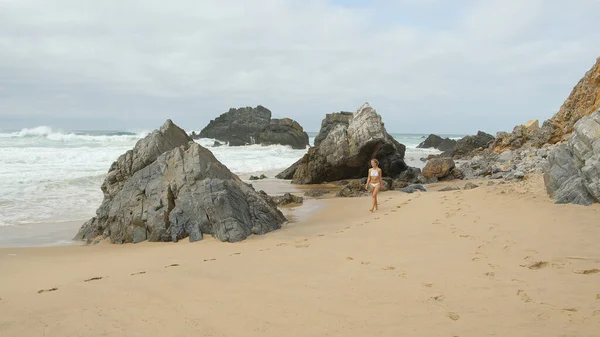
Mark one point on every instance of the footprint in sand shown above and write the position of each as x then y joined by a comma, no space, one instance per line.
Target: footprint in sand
598,296
453,316
438,298
236,254
490,274
389,268
350,258
47,290
138,273
428,285
320,235
366,263
377,218
587,271
393,211
208,260
340,232
302,246
281,244
264,250
521,293
93,279
172,265
536,265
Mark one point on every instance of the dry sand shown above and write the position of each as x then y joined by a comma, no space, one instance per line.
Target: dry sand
494,261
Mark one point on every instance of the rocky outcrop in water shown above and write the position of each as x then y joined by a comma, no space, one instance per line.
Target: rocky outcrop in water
470,145
168,188
248,125
437,142
583,100
573,175
347,149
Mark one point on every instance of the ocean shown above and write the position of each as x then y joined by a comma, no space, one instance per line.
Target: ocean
48,176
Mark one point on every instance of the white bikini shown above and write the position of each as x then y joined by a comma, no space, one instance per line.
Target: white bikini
374,173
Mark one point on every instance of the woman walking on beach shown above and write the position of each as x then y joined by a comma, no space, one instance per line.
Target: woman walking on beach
374,181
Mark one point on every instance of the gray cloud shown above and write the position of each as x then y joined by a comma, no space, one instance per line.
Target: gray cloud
426,66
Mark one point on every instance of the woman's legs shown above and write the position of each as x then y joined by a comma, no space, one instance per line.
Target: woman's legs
375,192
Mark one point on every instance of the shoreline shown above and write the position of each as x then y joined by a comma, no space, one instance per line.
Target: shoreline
500,259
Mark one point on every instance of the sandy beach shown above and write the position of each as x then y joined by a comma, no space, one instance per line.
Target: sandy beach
500,260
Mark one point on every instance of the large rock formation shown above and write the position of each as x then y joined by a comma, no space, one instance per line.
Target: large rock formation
248,125
347,148
439,169
583,100
330,122
468,145
437,142
168,188
574,173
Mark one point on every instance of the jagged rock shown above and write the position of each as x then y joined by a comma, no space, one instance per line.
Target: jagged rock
183,192
254,178
315,193
248,125
347,150
470,186
574,171
284,131
412,188
466,145
583,101
411,175
449,188
438,168
287,199
217,144
144,153
353,189
289,172
437,142
330,122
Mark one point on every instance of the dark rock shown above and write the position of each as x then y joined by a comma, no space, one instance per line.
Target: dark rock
519,175
412,188
287,199
315,193
353,189
449,188
411,175
217,144
437,142
347,150
439,168
183,192
248,125
288,173
470,186
466,145
254,178
285,132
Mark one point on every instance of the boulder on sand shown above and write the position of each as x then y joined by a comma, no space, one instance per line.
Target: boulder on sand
574,172
168,188
347,149
439,169
249,125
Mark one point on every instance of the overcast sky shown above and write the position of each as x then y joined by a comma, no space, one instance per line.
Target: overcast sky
426,66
